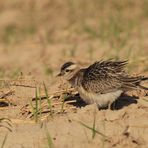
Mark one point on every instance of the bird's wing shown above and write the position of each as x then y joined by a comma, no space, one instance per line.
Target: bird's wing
104,76
132,82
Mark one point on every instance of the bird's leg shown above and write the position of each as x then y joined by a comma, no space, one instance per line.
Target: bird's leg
114,105
109,105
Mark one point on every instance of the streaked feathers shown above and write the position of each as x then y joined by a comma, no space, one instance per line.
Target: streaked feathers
102,82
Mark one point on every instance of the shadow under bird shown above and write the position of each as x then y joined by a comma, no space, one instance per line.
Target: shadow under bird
102,82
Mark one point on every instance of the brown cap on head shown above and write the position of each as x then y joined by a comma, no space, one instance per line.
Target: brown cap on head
67,64
64,66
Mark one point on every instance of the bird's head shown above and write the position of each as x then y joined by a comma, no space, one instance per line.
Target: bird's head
68,70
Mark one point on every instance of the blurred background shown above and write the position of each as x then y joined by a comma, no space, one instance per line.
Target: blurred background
36,36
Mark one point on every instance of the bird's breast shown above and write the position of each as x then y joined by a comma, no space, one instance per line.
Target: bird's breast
102,100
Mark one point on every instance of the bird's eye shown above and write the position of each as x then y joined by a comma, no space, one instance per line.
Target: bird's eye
67,70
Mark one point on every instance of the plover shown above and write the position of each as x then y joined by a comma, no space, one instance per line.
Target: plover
102,82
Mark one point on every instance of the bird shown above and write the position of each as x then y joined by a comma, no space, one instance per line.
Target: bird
102,82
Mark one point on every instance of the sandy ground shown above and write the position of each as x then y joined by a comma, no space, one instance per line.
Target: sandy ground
33,45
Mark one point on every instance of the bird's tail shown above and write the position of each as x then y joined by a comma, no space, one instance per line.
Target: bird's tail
133,82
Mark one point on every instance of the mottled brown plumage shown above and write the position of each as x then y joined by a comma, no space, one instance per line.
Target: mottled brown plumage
102,82
106,76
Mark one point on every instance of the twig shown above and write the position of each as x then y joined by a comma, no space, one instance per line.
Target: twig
57,93
7,94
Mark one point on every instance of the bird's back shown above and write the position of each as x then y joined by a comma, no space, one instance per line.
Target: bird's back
107,76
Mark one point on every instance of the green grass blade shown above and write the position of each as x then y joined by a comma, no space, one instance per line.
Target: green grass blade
48,99
62,107
49,139
33,112
40,104
32,107
94,127
36,105
83,124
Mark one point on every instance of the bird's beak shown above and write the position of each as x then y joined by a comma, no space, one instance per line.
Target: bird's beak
58,75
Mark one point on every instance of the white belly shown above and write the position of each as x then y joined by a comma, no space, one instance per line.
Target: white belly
102,100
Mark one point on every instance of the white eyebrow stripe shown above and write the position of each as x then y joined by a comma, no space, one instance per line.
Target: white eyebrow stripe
74,66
